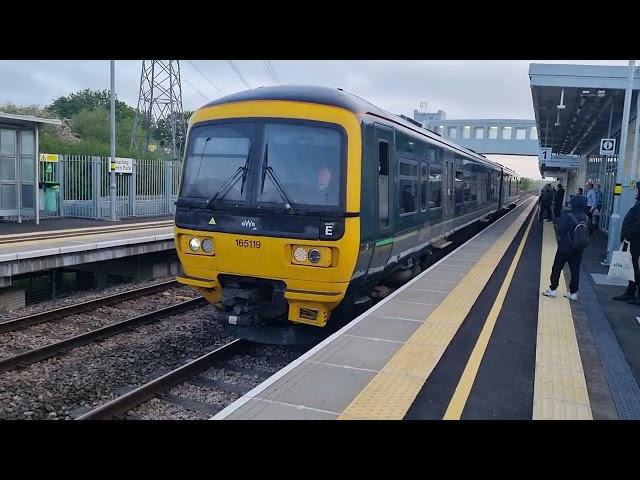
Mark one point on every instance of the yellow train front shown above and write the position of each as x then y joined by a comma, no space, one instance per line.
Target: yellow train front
297,201
266,224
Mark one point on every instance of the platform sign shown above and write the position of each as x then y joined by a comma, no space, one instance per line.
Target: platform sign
607,146
544,155
122,165
565,161
49,157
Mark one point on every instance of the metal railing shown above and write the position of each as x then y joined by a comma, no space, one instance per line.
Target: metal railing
602,170
78,186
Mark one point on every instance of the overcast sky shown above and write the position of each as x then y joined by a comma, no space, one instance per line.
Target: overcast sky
462,88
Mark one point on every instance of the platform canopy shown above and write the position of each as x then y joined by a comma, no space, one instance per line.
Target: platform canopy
574,105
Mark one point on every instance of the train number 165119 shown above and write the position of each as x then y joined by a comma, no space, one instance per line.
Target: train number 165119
247,243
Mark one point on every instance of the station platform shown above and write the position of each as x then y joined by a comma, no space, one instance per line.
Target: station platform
472,338
27,248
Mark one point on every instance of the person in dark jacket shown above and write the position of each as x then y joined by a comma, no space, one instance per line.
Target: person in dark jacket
566,253
546,199
631,232
557,201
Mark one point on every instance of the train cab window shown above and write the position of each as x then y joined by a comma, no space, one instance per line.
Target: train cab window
305,160
383,184
408,186
215,153
435,186
424,178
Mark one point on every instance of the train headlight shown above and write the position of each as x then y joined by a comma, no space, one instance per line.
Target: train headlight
207,245
194,244
300,254
314,255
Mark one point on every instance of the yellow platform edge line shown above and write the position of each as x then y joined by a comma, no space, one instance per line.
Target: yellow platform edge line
393,389
560,388
463,390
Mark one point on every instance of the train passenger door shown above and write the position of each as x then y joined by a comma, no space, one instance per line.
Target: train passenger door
448,194
384,199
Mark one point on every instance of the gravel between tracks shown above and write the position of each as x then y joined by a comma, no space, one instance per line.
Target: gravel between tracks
260,358
42,334
89,375
77,297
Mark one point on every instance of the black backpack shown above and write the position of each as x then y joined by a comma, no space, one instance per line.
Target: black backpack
580,238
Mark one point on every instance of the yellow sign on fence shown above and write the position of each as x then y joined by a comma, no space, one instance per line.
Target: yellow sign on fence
49,157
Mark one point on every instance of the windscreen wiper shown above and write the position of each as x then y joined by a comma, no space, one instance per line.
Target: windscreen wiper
266,169
241,172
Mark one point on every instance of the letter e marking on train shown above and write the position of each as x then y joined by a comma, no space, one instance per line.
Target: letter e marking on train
328,230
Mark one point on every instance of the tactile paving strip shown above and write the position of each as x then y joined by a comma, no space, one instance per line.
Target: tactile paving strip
560,389
392,391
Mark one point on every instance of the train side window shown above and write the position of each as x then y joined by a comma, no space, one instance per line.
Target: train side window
424,178
435,186
408,187
383,184
458,186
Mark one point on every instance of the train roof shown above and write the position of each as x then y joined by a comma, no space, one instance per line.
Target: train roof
339,98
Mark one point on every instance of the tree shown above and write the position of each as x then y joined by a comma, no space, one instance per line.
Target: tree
529,184
162,132
68,106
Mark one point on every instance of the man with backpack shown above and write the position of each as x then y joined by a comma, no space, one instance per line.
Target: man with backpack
573,237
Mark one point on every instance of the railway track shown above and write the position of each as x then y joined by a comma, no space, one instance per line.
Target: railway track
63,312
62,346
193,374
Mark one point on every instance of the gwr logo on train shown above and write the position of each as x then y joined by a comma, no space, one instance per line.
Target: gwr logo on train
326,175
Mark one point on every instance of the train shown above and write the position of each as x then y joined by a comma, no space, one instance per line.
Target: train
297,202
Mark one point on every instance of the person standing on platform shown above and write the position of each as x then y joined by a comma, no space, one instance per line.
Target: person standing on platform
557,201
546,199
573,237
592,203
598,210
631,233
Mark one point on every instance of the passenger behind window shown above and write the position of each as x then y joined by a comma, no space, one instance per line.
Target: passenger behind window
408,200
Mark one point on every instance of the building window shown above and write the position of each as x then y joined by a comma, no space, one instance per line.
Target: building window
521,133
466,131
453,132
408,186
533,134
440,129
493,133
479,133
506,133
